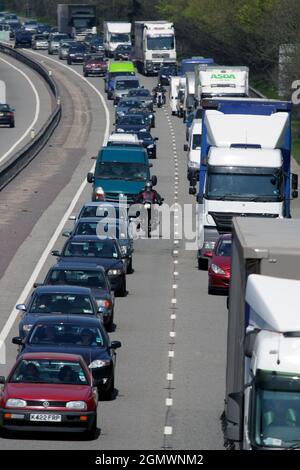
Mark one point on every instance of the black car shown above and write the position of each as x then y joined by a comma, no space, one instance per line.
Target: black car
63,299
123,52
23,39
79,335
76,54
125,104
135,122
106,227
96,45
166,72
93,277
7,115
148,115
104,252
149,143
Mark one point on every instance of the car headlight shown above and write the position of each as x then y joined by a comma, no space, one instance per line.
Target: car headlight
103,303
98,363
194,164
151,146
76,405
27,328
209,245
114,272
120,130
143,130
99,191
120,113
216,269
16,403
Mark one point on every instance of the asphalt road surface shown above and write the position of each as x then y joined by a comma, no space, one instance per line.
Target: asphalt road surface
170,373
32,100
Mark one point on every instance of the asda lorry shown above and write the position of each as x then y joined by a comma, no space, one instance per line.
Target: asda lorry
221,80
245,166
262,399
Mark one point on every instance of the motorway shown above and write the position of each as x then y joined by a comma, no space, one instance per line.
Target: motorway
170,374
28,93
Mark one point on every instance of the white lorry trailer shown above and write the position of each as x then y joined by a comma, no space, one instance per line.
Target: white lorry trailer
189,103
154,43
262,400
229,81
115,33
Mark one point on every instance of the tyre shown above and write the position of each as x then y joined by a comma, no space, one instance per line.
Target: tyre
85,74
130,268
91,433
69,62
121,292
12,124
109,394
153,123
110,325
210,290
202,264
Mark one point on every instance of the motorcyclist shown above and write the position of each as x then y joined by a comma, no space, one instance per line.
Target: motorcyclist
149,194
159,88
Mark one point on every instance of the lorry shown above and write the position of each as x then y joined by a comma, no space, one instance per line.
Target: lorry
189,64
115,33
262,398
154,43
221,80
245,166
176,93
189,102
76,20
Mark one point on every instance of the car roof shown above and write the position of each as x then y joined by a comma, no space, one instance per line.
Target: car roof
61,289
87,320
126,79
121,66
226,236
103,203
89,238
45,355
76,266
119,153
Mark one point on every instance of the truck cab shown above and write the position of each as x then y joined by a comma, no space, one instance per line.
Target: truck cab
193,149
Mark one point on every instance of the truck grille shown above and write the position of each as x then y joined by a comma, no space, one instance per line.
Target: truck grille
161,56
57,404
114,197
223,220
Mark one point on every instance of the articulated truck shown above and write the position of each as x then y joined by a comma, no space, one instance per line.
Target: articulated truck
245,166
154,43
262,400
77,20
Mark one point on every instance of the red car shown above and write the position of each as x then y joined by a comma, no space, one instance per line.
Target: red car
95,66
219,266
49,392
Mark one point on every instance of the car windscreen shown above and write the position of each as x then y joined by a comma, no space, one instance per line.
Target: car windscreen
92,249
122,171
126,84
112,212
61,303
49,372
102,228
196,141
132,120
139,93
4,107
78,277
224,248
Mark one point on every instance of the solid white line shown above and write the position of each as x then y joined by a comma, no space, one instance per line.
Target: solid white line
37,110
14,314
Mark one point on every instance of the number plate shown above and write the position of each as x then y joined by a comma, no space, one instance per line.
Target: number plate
44,417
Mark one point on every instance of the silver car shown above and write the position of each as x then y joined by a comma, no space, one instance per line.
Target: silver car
54,43
39,41
122,86
64,47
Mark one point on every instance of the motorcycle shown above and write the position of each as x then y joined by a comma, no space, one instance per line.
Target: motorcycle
160,99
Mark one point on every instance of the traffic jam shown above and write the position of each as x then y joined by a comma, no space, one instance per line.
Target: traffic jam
238,168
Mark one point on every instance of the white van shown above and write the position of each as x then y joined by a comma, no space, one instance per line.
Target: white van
193,149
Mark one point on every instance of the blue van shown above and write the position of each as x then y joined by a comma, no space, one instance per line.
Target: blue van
120,171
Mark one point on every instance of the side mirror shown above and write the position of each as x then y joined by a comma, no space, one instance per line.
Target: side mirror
294,182
199,198
192,191
90,178
21,307
115,345
150,165
156,139
17,340
37,284
249,342
154,180
2,380
94,157
66,234
193,181
185,147
55,253
234,418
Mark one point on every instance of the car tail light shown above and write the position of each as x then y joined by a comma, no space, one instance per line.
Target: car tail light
10,114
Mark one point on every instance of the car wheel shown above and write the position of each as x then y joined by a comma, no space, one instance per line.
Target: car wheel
85,74
153,123
130,267
210,290
122,291
202,264
69,62
109,394
12,124
110,325
91,433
